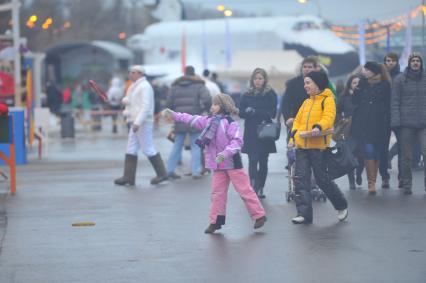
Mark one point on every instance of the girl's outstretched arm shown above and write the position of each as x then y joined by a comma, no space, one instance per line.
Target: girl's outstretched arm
195,121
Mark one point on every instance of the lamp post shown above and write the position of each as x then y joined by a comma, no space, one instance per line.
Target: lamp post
228,54
132,16
16,45
228,44
423,27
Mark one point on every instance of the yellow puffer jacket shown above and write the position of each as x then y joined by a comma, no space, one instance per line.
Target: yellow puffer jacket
316,110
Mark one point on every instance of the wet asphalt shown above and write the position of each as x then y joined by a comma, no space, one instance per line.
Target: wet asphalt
155,233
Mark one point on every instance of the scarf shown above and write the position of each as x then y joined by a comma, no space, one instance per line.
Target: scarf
209,132
412,75
395,71
262,91
375,79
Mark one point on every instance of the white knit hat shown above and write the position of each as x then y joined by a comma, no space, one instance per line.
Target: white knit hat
137,68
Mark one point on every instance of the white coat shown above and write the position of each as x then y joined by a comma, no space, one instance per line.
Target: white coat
139,102
212,87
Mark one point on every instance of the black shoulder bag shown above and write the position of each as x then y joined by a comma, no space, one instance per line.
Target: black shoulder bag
269,131
340,160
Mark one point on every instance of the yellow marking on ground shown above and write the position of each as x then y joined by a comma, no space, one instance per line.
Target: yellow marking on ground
83,224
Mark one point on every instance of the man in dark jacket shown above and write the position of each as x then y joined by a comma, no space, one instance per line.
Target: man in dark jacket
391,62
295,93
392,65
408,115
188,94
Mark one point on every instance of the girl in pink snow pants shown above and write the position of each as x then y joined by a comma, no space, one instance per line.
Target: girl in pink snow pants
222,140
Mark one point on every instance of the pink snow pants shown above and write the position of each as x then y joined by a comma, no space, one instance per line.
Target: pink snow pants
219,196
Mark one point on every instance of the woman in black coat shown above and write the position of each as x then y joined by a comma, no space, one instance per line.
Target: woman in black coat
371,119
344,110
258,105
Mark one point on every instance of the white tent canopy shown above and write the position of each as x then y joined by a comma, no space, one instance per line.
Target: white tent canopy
244,62
280,66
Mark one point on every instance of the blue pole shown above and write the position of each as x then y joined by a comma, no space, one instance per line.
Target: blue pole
228,50
388,39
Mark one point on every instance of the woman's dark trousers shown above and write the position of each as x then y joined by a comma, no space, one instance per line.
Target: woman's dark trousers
384,158
258,170
305,160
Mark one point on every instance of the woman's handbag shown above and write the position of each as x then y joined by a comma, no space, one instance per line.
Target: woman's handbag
340,160
342,129
269,131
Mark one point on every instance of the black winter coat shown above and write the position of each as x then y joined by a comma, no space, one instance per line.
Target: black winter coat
345,107
188,95
265,106
371,118
293,97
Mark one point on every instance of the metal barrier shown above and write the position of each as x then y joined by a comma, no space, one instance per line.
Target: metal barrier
96,115
11,160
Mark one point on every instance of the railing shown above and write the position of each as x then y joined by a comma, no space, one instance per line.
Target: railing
11,160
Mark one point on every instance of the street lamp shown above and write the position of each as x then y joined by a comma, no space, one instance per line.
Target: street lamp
33,19
220,8
227,13
317,3
228,47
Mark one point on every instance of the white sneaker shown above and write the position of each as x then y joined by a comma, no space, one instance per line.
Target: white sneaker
298,220
342,214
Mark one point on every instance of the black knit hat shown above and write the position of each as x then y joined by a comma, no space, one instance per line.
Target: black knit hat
415,55
320,79
373,66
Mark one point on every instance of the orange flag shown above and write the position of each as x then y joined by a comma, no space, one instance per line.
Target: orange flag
30,106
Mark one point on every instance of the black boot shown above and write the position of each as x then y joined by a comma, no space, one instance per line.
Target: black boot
212,228
158,165
385,184
359,178
351,179
260,193
260,222
129,175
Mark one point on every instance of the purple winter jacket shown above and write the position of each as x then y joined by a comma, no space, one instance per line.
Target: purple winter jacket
228,140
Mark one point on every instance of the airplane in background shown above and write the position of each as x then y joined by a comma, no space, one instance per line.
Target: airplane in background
214,43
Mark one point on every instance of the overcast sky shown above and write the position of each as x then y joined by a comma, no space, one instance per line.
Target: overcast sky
335,11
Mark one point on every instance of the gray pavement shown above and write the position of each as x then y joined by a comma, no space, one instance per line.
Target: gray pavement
155,233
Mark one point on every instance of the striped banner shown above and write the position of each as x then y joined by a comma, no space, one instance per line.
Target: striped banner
408,46
30,106
361,52
183,51
228,46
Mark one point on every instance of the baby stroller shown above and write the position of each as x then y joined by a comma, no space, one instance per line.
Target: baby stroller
316,192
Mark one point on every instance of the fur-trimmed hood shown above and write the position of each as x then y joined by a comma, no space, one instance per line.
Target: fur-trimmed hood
186,80
262,91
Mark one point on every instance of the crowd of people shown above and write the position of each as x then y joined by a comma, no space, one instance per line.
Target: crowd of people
380,100
376,101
